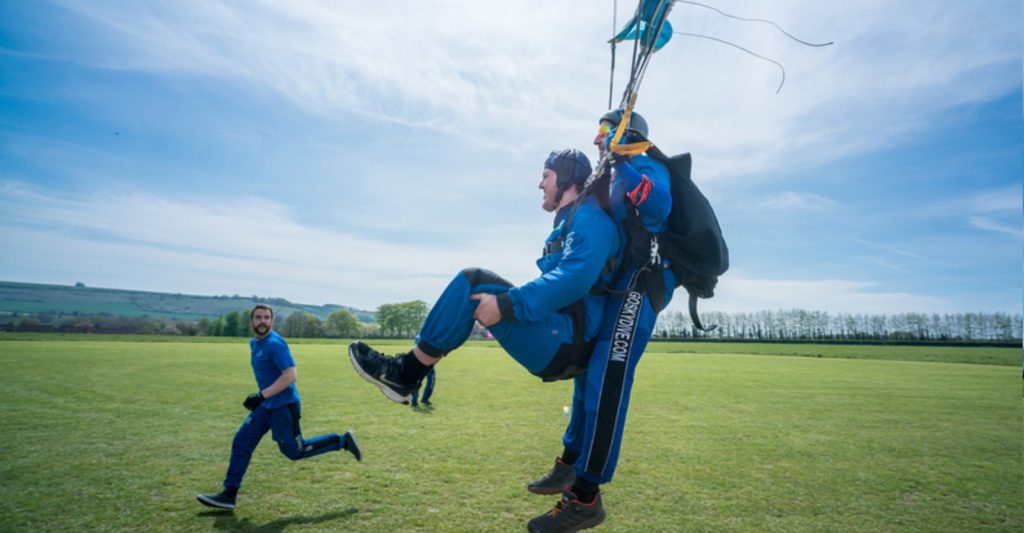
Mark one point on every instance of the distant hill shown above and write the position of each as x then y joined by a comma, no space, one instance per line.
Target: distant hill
27,299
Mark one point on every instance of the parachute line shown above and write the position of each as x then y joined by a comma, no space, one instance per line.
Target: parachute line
784,32
611,78
643,47
734,45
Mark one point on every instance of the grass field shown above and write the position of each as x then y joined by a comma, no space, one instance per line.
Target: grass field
120,435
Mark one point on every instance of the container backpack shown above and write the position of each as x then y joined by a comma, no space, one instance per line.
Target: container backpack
692,243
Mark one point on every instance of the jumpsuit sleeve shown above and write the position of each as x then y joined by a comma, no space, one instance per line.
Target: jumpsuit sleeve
590,242
646,185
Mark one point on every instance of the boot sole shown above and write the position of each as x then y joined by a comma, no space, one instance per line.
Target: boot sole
388,391
593,522
354,449
546,491
215,504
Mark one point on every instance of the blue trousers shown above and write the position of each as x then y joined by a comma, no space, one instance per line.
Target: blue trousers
600,397
428,389
449,323
283,423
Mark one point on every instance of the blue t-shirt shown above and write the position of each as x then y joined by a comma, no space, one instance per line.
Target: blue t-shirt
270,358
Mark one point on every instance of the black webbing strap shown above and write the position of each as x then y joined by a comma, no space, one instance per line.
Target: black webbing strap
695,318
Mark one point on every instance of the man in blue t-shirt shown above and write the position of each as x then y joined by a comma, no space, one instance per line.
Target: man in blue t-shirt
276,408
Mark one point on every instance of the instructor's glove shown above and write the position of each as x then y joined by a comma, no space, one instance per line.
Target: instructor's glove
253,401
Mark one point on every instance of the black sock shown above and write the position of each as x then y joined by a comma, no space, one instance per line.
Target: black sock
412,369
569,457
231,491
584,490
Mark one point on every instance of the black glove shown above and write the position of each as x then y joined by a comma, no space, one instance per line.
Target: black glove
253,401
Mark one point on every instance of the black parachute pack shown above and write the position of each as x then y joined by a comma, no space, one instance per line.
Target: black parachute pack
693,243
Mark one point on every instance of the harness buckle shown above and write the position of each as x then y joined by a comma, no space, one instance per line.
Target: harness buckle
655,256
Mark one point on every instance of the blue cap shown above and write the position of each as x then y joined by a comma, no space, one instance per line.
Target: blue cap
571,166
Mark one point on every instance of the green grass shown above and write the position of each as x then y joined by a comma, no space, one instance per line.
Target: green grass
120,435
981,355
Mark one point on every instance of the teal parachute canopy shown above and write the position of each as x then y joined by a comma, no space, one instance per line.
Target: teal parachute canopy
650,18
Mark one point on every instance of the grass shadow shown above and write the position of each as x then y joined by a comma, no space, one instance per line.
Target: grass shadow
227,521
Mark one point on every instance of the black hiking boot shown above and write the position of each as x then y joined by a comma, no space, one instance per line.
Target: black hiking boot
220,501
351,446
555,480
384,371
568,515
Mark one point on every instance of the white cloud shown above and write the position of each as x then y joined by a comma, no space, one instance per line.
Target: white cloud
790,201
1002,199
736,293
996,226
1005,199
892,249
228,245
521,76
475,69
466,68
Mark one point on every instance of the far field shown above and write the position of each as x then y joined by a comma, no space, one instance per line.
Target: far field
121,435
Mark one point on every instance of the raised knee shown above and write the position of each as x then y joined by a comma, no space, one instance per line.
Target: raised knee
292,452
480,276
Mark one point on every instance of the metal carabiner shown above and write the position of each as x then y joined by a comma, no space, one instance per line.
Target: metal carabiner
655,256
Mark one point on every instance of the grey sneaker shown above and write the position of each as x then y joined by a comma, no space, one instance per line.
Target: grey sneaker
555,480
568,515
352,446
220,501
384,371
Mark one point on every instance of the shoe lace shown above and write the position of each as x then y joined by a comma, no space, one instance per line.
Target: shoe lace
560,505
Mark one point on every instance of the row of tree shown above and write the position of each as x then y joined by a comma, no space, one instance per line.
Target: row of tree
799,324
403,320
393,320
103,323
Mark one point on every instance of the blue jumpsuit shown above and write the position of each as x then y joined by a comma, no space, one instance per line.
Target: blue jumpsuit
601,394
540,327
280,414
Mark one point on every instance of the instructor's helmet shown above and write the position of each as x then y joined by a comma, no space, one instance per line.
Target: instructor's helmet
571,166
635,132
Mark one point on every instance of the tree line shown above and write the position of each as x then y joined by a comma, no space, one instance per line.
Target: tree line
403,320
800,324
393,320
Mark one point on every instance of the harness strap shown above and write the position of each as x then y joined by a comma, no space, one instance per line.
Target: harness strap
696,319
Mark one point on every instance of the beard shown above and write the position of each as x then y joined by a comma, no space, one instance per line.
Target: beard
261,329
548,203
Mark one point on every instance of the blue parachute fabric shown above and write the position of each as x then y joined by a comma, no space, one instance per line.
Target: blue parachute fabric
629,33
650,14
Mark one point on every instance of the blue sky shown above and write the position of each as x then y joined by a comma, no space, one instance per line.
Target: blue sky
331,152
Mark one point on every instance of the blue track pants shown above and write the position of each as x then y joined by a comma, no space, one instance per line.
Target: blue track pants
283,422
